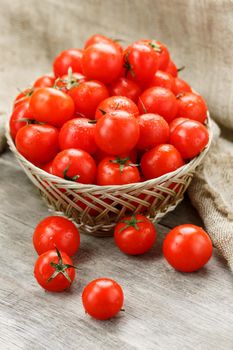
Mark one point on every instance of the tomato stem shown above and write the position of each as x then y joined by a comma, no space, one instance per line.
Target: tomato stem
67,177
181,68
60,267
156,47
127,66
121,162
132,222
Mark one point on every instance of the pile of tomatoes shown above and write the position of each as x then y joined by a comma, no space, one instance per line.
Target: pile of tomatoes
187,248
110,116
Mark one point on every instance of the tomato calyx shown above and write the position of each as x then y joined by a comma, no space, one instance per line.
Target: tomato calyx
122,162
27,93
69,83
180,69
60,267
181,94
67,177
132,222
156,47
127,66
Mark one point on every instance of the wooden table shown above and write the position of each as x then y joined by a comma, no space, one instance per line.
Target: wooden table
164,309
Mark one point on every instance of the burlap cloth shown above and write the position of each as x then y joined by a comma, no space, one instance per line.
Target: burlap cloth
199,35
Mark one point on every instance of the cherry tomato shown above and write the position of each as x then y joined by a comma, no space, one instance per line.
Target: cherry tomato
134,235
125,87
102,61
160,160
56,231
98,38
176,122
54,271
37,143
116,103
116,171
187,248
71,58
163,79
51,106
140,62
160,101
190,138
172,69
23,96
117,133
154,130
102,298
20,117
191,106
78,133
47,167
180,86
100,155
87,97
44,81
75,165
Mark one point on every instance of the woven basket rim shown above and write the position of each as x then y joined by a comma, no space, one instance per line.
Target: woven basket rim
78,186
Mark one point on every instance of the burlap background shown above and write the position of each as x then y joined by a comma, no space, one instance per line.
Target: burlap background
199,35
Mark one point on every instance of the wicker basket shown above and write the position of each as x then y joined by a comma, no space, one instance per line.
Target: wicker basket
96,209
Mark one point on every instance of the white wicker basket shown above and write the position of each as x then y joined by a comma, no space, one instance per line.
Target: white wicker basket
96,209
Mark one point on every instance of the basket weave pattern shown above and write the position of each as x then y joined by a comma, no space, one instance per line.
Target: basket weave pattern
96,209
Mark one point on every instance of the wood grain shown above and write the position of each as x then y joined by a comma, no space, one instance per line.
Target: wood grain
164,309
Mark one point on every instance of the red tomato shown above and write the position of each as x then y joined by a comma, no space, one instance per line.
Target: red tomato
56,231
125,87
44,81
100,155
116,103
116,171
180,86
140,62
71,58
23,96
54,271
69,81
160,101
134,235
47,167
187,248
176,122
191,106
102,298
51,106
75,165
20,117
87,97
172,69
78,133
98,38
154,130
117,133
160,160
190,138
163,79
37,143
102,61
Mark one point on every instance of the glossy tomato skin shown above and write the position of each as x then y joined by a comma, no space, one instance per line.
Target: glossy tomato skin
187,248
66,59
44,81
140,62
102,61
87,97
117,133
160,101
134,239
43,271
100,155
47,167
51,106
154,130
180,86
78,133
37,143
176,122
190,138
160,160
125,87
102,298
116,103
98,38
110,173
20,112
163,79
192,106
71,163
56,231
172,69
